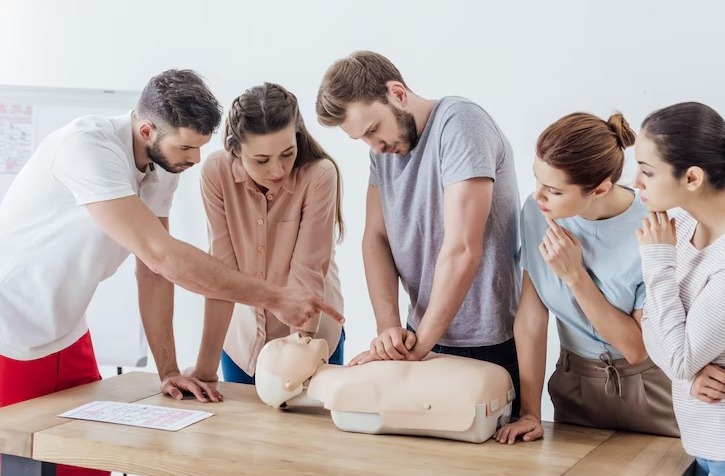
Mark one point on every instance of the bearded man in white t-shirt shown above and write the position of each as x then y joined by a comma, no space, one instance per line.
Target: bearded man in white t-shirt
94,191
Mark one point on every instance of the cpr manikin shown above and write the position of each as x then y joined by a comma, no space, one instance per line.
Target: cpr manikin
443,396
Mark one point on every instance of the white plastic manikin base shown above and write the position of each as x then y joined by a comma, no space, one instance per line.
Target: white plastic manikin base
482,429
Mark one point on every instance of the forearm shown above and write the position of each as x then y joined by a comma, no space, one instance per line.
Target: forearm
192,269
530,339
217,316
618,328
682,341
455,269
156,305
382,281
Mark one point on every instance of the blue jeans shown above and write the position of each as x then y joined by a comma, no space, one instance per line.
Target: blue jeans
503,354
707,467
232,372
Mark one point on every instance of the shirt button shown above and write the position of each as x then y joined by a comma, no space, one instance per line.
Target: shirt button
260,222
260,248
260,274
270,197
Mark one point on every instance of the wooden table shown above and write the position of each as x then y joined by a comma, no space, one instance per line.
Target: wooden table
247,437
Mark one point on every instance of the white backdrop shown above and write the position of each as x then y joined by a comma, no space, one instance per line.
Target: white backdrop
526,62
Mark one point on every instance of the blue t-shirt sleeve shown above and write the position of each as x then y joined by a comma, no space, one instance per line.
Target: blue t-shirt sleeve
470,144
528,231
522,233
640,296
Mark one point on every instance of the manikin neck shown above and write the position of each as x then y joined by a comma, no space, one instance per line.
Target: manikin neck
303,400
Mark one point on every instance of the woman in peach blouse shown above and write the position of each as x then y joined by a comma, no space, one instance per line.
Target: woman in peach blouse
272,199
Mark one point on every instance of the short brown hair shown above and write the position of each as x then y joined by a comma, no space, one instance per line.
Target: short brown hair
361,77
588,149
179,98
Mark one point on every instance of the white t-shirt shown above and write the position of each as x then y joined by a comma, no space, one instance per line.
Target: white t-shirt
52,253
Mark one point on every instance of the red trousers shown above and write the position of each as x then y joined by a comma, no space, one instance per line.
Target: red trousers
25,379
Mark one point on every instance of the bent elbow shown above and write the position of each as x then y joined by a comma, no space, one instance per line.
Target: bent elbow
468,254
636,357
372,242
161,263
474,254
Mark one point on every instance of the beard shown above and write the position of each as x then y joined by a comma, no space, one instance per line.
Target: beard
158,157
408,129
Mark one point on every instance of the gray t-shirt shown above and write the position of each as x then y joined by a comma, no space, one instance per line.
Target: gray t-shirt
460,142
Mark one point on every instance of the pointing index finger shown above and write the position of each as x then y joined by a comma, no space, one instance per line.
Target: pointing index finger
329,310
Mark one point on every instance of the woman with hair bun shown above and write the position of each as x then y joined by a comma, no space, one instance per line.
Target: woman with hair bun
581,264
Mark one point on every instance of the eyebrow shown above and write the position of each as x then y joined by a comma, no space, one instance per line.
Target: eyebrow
547,186
642,162
367,131
265,156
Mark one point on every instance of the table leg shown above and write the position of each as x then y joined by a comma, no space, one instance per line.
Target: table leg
18,466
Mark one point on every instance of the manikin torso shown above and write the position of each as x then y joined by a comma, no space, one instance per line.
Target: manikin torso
443,395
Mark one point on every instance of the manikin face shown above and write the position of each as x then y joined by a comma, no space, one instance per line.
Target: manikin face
294,358
176,151
555,196
658,187
385,128
269,158
285,364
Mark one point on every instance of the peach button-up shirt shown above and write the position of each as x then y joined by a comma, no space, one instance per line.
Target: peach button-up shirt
284,237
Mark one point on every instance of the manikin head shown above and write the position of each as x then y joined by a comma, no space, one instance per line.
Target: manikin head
175,116
366,96
285,364
579,159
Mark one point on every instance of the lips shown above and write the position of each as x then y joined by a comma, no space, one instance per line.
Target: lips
543,209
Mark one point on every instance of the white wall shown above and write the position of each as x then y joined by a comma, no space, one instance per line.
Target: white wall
526,62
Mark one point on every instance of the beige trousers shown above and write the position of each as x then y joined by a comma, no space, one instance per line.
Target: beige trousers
612,394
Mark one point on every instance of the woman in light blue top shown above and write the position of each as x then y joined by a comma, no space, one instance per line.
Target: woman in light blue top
581,263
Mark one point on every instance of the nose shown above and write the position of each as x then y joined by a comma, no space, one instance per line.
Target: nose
277,169
195,156
377,145
538,193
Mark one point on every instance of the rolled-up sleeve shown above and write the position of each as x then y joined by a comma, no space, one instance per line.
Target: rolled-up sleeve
313,249
220,243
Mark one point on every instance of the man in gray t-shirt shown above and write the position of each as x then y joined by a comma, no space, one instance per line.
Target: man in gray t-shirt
442,212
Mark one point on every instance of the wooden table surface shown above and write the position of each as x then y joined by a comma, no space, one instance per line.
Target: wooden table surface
247,437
